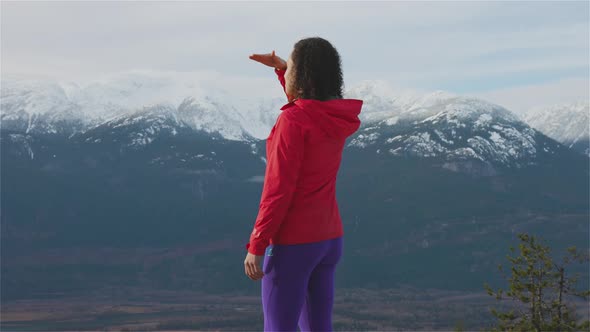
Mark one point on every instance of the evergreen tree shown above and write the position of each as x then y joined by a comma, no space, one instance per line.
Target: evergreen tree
539,287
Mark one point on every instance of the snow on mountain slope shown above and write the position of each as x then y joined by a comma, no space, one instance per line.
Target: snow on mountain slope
51,106
567,123
259,115
32,96
211,116
396,121
380,100
40,106
454,128
138,128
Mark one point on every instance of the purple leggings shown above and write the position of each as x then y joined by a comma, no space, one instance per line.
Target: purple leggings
298,285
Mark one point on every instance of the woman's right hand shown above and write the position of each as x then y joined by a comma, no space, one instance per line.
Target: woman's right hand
270,59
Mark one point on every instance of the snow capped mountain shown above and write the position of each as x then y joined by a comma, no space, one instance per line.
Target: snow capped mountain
143,105
453,128
139,128
380,100
40,106
50,106
567,123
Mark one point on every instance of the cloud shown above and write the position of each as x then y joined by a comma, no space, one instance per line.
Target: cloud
464,47
521,99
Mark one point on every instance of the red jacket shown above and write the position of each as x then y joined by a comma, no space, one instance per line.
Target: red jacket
303,154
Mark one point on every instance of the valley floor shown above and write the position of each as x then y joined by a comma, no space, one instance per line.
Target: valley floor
400,309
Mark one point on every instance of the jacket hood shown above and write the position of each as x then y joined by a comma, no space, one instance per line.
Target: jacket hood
336,117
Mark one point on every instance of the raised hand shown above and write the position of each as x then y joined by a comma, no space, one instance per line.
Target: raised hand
270,59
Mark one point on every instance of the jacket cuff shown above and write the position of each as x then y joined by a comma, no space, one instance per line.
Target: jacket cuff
254,250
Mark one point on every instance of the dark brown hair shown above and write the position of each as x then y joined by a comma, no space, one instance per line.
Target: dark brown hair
318,69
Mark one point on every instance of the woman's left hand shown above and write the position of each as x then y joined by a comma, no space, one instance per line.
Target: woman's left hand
252,265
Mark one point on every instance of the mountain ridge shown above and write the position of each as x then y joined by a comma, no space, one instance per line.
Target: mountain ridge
427,124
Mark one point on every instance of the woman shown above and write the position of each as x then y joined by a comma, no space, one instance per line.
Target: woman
298,225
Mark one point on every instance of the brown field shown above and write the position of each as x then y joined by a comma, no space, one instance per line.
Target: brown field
403,309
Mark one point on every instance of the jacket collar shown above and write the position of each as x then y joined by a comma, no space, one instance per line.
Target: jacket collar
298,102
289,104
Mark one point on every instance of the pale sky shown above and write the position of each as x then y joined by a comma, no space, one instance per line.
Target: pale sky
519,54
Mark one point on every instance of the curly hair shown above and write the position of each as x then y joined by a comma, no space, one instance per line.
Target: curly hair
318,69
